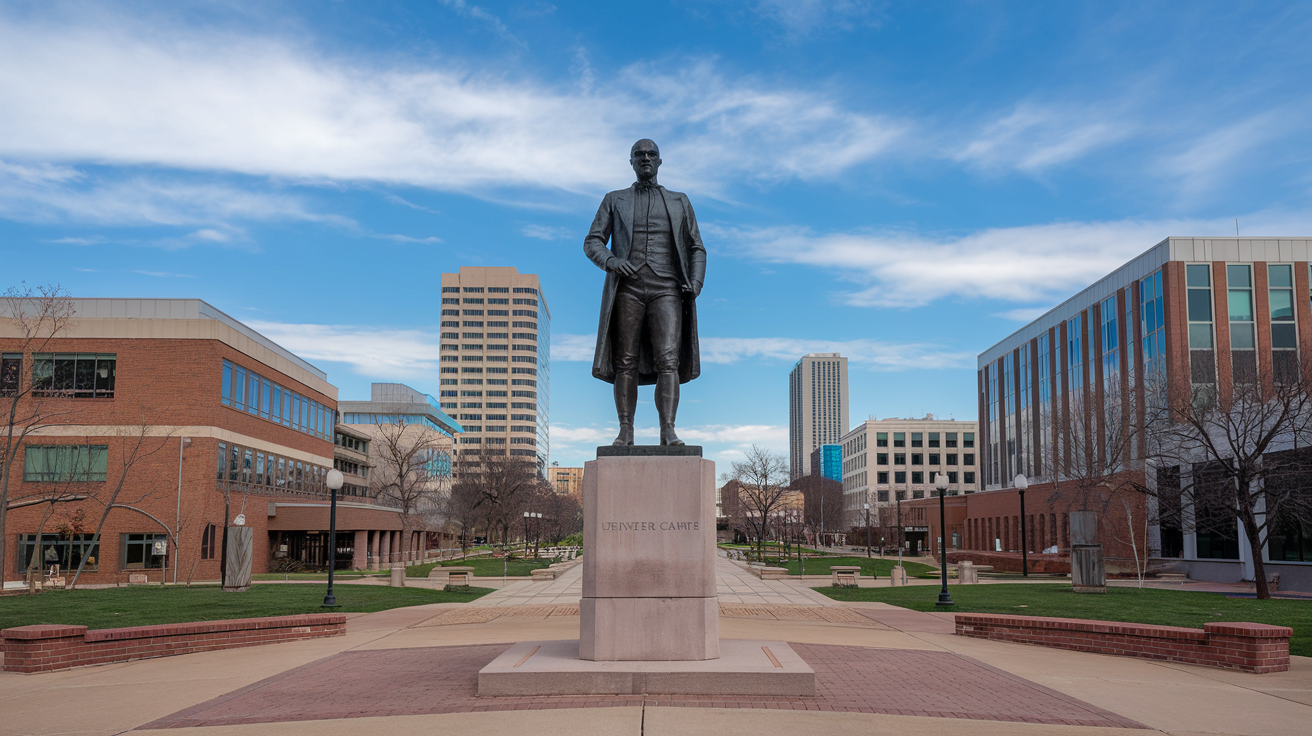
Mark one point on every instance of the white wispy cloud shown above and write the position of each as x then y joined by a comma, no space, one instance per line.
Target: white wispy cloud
114,91
549,232
1029,264
1033,137
1212,154
800,18
165,274
370,351
872,353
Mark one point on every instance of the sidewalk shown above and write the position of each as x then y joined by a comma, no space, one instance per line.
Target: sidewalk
881,670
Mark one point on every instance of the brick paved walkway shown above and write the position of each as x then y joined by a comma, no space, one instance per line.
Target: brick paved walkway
444,680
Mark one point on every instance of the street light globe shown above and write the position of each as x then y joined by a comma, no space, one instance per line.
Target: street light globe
941,483
1021,482
335,479
867,507
527,514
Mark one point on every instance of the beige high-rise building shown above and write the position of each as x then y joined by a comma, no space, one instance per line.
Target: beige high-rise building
566,481
496,362
817,407
889,459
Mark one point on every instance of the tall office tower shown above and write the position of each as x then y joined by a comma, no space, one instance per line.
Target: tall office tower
817,407
496,362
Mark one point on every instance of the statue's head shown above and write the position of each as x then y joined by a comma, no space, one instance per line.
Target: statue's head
645,156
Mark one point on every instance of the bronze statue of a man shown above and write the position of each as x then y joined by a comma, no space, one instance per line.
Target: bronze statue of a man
654,267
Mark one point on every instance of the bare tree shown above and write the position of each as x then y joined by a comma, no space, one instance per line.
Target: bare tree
463,509
411,463
822,502
502,484
1242,455
138,444
762,484
33,318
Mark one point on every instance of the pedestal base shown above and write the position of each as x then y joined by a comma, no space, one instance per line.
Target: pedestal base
649,629
745,667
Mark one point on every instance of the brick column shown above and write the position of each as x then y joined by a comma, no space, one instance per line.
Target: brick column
385,549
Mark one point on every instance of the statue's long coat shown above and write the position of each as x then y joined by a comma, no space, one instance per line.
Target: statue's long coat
614,222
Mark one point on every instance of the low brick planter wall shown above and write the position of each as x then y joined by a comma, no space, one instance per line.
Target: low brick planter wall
1255,648
1011,561
49,647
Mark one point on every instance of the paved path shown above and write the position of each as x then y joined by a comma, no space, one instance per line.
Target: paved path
734,584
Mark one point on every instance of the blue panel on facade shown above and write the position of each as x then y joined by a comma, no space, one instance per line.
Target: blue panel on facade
831,462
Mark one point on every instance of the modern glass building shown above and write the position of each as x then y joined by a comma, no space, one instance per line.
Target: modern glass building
831,462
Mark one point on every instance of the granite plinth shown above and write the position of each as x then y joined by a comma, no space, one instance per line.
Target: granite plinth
745,667
649,587
649,451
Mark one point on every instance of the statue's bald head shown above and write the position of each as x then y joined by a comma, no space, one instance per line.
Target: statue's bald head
645,156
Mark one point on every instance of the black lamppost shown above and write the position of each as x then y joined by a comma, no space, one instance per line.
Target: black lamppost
867,530
1021,484
941,483
527,516
334,482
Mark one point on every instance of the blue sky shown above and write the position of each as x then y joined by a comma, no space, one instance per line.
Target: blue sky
905,183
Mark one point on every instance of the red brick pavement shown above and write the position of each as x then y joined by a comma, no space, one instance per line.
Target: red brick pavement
444,680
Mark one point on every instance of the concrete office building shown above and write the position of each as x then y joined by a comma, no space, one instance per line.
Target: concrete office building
1186,315
817,407
886,460
496,362
566,481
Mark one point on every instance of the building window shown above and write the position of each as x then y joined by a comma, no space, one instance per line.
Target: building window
952,458
917,477
882,478
207,546
933,439
881,458
1284,335
900,476
883,496
1243,343
951,439
899,458
899,439
968,477
917,458
933,458
917,439
952,477
59,463
74,375
968,458
1202,360
140,551
56,549
967,439
11,373
881,439
917,494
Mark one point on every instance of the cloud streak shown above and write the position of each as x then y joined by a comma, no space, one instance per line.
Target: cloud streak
1029,264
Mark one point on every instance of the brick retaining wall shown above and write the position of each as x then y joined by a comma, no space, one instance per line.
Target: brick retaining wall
1257,648
49,647
1010,561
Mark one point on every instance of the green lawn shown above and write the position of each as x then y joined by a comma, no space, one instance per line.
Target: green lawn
108,608
881,567
1138,605
339,575
484,567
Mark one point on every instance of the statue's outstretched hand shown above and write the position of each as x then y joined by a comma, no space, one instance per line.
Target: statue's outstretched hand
621,266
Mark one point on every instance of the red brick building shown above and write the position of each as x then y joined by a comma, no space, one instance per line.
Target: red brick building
180,418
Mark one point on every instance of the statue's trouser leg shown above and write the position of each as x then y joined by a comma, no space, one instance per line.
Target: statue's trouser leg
665,317
630,310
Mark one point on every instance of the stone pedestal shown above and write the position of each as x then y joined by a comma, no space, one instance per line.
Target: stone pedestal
237,559
1088,574
649,588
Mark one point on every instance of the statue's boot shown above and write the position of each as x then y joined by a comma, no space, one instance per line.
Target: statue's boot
626,401
667,405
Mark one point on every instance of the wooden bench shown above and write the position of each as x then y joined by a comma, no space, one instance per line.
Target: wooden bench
845,575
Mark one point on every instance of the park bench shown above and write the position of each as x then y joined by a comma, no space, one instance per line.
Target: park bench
845,575
455,575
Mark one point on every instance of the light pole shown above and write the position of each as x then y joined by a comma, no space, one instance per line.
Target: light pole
867,530
334,482
899,495
941,483
527,515
1021,484
537,534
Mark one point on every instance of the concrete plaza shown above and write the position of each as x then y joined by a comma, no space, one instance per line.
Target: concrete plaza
880,669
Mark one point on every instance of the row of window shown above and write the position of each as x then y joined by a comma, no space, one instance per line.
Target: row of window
135,551
900,458
64,463
64,375
918,477
247,391
531,313
490,290
918,439
237,464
